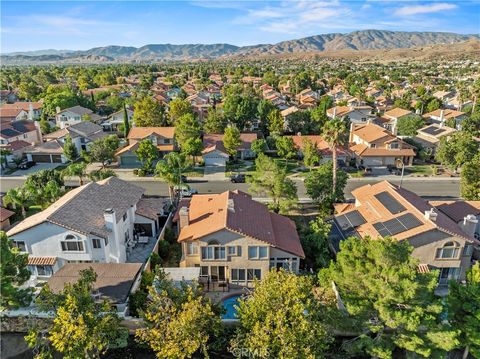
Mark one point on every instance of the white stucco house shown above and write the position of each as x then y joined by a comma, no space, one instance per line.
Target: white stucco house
73,115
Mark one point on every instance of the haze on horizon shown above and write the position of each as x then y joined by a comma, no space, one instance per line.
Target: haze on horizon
39,25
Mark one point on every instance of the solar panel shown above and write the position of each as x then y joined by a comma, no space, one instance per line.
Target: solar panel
355,218
343,222
394,226
389,202
381,229
409,221
433,130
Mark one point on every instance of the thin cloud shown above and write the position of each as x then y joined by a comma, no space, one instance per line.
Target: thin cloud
424,9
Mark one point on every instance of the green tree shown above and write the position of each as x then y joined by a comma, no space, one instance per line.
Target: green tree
275,122
13,273
170,170
463,303
3,157
271,180
179,108
311,155
148,113
264,108
103,150
314,241
409,125
286,148
470,179
334,132
319,185
147,152
215,122
77,170
240,110
18,197
259,146
186,127
126,122
392,304
193,147
82,328
69,149
231,140
101,174
471,124
457,149
282,318
45,127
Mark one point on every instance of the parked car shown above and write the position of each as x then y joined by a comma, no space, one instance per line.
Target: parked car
183,179
238,178
185,191
25,165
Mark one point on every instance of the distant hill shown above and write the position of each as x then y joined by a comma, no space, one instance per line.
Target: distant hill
352,42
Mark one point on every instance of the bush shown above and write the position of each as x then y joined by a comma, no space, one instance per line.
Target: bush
135,171
156,259
138,299
163,249
141,172
170,236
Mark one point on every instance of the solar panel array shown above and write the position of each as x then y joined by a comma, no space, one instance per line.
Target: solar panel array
397,225
433,130
350,220
390,203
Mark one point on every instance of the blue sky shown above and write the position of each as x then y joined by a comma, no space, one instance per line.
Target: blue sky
76,25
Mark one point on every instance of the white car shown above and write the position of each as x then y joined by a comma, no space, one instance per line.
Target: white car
185,191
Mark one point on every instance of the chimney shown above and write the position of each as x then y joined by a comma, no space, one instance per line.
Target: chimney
335,112
30,112
442,118
469,224
231,205
431,215
183,215
110,219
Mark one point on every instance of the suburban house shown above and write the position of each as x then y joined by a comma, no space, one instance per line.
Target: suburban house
429,136
51,150
5,215
456,103
391,118
162,137
286,114
459,211
33,109
234,239
73,115
115,281
374,146
215,154
116,119
12,114
385,210
17,136
443,95
343,154
359,114
107,221
440,116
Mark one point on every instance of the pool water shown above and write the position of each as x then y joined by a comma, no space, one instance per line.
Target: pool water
229,305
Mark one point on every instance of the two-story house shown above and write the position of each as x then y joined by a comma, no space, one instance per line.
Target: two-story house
33,109
98,222
116,119
51,150
233,238
162,137
429,136
374,146
440,117
391,117
73,115
343,154
17,136
384,210
12,114
359,114
215,154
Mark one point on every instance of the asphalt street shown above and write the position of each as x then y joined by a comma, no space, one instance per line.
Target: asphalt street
434,189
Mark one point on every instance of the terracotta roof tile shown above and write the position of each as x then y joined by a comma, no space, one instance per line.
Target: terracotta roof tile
142,132
5,214
397,112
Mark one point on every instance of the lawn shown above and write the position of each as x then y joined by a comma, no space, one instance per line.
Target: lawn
420,170
291,164
193,172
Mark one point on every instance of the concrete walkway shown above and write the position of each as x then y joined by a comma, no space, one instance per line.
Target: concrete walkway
214,173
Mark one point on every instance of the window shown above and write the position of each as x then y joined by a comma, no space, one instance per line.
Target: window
237,275
257,252
72,244
21,246
234,250
192,248
213,252
166,141
24,135
96,243
373,145
449,251
394,145
253,274
106,241
203,270
468,250
125,217
44,271
127,236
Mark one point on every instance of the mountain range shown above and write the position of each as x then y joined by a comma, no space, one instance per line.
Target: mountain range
354,41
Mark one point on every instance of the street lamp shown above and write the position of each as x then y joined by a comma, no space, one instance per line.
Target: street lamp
399,161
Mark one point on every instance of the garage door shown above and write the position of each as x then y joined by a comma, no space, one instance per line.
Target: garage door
215,161
129,161
57,158
41,158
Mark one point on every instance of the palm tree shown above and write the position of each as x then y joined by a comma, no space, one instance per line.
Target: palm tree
17,197
77,170
170,170
334,133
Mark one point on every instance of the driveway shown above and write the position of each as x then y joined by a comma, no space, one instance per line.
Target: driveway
214,173
36,168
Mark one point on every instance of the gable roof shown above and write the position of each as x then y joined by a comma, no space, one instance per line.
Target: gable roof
79,110
213,142
374,211
457,210
238,212
397,112
10,112
25,106
5,214
82,209
447,113
142,132
319,142
16,128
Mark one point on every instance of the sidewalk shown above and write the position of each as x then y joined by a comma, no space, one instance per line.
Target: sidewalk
296,177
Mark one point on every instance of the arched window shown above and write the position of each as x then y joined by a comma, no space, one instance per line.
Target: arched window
72,243
450,250
213,242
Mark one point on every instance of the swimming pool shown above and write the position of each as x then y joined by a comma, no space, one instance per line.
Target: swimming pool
229,305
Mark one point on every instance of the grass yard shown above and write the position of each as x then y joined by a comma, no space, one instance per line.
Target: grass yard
291,164
421,170
193,172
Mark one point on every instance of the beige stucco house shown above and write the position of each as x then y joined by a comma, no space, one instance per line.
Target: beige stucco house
234,239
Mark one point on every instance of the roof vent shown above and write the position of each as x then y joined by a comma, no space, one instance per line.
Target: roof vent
231,205
431,215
